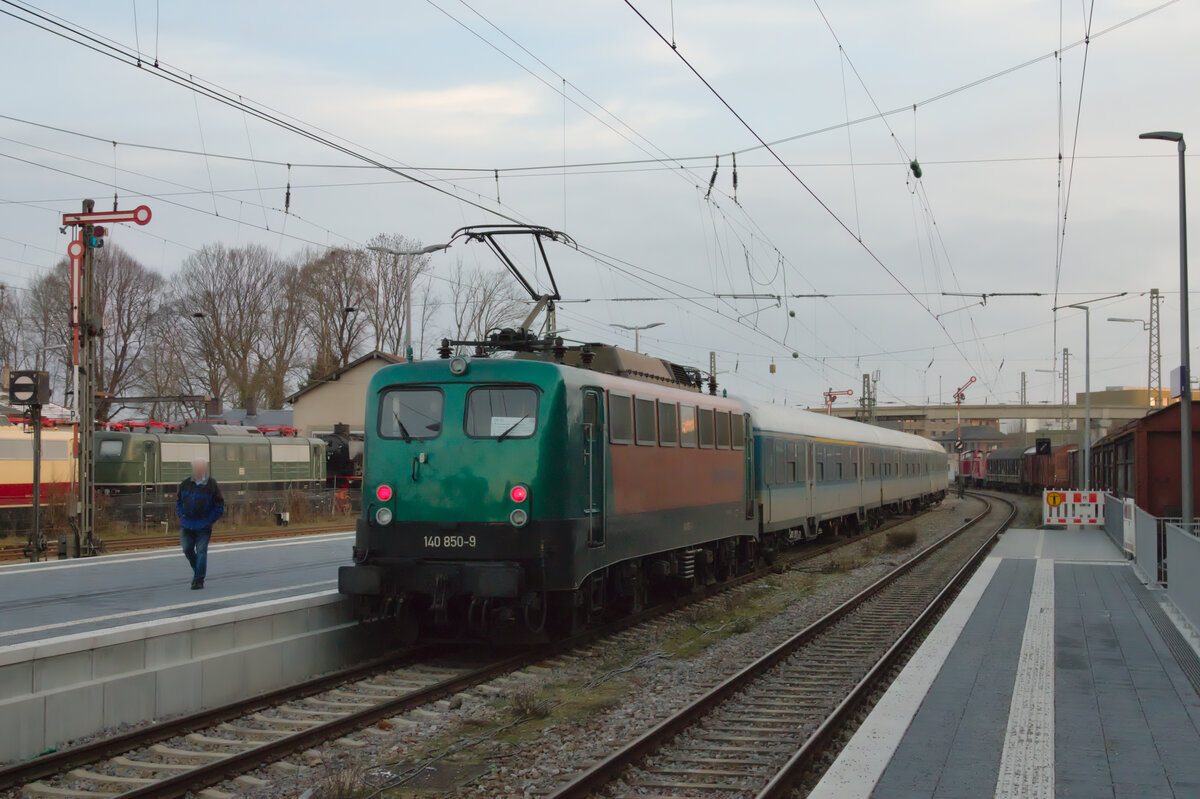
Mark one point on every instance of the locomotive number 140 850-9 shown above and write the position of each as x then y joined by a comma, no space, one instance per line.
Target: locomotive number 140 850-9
450,541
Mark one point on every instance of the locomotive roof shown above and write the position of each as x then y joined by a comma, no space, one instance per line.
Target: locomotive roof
777,419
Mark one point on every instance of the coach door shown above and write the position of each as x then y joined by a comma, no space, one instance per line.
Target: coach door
593,463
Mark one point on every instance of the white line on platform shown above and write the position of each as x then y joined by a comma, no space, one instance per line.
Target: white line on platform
860,765
160,553
162,608
1027,762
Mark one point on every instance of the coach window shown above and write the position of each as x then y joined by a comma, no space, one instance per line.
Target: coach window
767,462
668,434
723,429
820,463
687,425
793,472
739,431
706,428
620,419
643,421
410,413
801,461
781,475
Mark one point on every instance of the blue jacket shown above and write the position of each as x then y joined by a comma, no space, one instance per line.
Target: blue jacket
198,506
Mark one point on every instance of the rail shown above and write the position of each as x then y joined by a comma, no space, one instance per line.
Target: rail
264,752
613,767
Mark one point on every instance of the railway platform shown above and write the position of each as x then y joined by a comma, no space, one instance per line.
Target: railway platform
55,598
1055,673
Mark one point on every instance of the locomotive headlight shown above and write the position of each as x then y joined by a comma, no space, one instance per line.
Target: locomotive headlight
518,518
458,366
383,517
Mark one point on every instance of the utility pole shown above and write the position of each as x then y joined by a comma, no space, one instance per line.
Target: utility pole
1154,373
88,329
1066,389
1024,421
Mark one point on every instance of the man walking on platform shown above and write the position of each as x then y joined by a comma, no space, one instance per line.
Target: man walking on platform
199,504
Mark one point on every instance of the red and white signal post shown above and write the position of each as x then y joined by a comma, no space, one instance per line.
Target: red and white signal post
87,330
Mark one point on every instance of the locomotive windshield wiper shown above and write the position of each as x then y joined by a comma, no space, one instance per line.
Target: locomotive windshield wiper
504,435
403,430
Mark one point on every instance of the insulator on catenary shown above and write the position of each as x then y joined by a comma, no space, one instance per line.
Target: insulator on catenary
734,157
713,180
287,195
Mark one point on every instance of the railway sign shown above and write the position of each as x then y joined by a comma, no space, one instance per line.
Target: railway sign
1075,508
29,388
140,215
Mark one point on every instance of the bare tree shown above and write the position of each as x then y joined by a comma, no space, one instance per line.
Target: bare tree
47,313
228,296
129,297
386,299
13,345
482,301
280,350
336,294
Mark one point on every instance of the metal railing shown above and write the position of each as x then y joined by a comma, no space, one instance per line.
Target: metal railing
1160,544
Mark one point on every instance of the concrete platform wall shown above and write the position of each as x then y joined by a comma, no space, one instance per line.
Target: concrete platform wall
55,691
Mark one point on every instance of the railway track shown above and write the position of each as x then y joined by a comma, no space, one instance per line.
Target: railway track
16,552
189,754
759,731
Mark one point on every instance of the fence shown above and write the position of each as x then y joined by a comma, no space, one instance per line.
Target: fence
1185,559
1157,543
1114,520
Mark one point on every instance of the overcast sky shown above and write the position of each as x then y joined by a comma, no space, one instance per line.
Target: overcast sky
409,83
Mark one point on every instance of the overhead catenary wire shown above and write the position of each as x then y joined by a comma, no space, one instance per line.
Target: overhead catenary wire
870,252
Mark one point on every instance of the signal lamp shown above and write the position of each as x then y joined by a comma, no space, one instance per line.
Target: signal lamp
519,494
384,493
383,517
518,518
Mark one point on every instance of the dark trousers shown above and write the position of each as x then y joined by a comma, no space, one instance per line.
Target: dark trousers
195,549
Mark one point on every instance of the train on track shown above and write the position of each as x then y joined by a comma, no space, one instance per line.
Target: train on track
138,474
544,491
1140,461
16,473
1022,469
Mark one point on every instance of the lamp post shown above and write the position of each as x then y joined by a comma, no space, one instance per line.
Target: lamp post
410,254
1087,382
636,330
1150,363
1185,360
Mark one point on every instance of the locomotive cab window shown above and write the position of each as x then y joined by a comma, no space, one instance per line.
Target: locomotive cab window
643,420
739,431
500,413
411,414
110,448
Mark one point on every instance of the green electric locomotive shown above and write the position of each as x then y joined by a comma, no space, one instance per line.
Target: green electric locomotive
535,490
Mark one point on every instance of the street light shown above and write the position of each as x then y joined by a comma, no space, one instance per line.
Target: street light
410,254
636,330
1185,365
1151,399
1087,382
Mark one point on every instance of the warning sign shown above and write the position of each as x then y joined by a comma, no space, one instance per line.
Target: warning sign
1084,508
